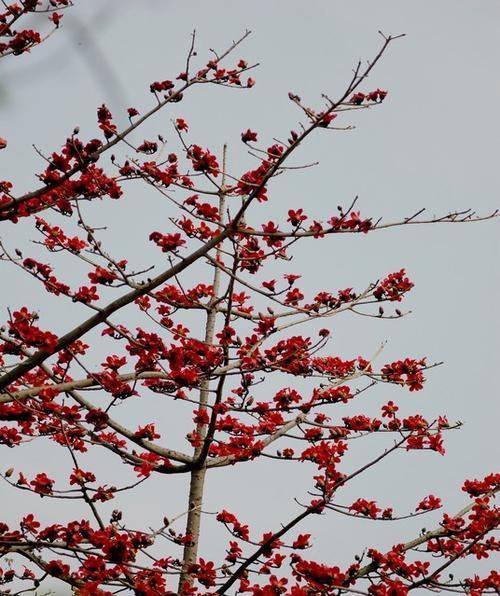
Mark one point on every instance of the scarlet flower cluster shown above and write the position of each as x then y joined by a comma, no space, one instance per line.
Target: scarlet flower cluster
374,96
393,287
203,160
407,372
22,328
167,242
104,118
22,41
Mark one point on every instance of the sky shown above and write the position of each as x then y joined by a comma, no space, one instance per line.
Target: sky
433,143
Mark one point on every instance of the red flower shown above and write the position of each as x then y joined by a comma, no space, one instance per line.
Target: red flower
325,119
57,568
294,296
205,573
366,508
230,520
203,160
377,95
302,541
55,17
389,410
393,287
42,484
86,294
80,477
291,278
248,136
167,242
296,217
200,417
358,98
269,285
429,503
147,432
147,147
30,524
158,86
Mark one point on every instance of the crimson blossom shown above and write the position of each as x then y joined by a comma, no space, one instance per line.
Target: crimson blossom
226,357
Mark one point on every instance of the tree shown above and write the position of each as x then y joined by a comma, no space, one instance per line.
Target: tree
218,338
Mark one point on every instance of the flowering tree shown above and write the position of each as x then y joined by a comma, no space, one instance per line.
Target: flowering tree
227,353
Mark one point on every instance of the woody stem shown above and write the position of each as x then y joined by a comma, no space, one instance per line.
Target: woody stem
197,481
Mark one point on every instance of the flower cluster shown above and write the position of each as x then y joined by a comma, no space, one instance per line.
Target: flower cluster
373,96
22,41
203,160
407,372
23,329
393,287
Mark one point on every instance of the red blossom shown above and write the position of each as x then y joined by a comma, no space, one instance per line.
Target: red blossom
302,541
159,86
296,217
203,160
429,503
393,287
167,242
407,372
56,17
148,147
236,527
42,484
57,568
366,508
248,136
147,432
80,477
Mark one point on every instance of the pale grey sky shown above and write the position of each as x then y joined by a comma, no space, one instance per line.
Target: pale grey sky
433,143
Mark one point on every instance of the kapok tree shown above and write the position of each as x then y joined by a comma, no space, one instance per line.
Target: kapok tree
224,353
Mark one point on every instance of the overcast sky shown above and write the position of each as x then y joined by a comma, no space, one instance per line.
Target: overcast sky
433,143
